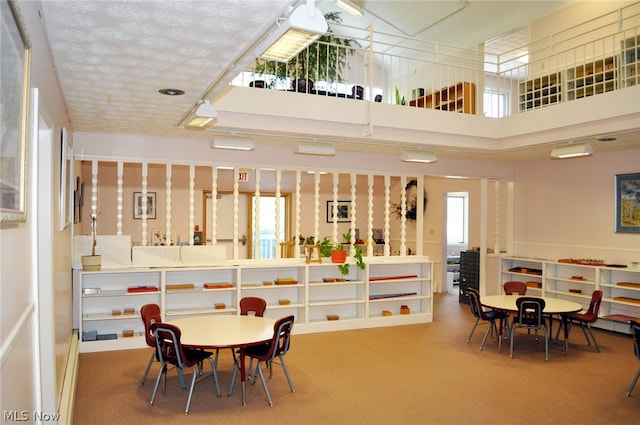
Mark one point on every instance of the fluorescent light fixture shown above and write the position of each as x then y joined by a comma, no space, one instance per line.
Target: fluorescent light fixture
315,149
350,7
235,143
203,116
572,151
418,157
303,26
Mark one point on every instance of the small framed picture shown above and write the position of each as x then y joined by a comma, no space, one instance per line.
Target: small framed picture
628,203
140,206
343,211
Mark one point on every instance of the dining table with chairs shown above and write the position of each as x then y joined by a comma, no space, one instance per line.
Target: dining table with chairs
552,306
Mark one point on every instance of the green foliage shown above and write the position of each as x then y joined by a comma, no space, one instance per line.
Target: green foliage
324,59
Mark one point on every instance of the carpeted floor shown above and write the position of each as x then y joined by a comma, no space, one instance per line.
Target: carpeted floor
416,374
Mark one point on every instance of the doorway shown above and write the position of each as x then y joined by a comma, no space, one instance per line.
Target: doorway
455,237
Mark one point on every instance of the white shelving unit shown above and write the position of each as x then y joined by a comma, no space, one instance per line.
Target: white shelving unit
310,292
576,282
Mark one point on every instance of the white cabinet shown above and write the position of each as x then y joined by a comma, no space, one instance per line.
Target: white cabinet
200,291
576,282
110,301
110,307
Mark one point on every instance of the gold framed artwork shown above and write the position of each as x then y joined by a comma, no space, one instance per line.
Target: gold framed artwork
14,122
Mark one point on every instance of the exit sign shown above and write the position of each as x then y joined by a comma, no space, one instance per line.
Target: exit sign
243,175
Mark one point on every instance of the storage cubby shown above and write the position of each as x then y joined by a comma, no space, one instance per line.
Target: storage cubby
590,78
460,97
576,281
313,293
630,69
540,91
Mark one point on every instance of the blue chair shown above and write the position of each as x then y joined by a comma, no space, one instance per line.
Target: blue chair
635,331
481,315
530,317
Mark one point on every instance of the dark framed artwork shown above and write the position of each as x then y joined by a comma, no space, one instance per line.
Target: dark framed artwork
140,205
15,51
628,203
343,211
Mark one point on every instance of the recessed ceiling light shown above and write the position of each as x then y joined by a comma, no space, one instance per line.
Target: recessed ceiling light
171,92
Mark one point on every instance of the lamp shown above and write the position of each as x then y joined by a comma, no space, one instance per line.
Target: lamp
350,7
315,149
418,157
303,26
572,151
235,143
204,115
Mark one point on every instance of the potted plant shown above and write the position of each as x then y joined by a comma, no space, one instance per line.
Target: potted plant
324,59
358,250
92,262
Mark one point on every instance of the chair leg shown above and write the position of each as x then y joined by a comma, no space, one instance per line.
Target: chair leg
286,372
155,388
233,377
513,329
473,330
546,344
146,371
595,342
264,383
492,325
633,383
214,372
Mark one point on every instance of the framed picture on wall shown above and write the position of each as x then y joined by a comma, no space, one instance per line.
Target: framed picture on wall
14,114
628,203
140,205
343,209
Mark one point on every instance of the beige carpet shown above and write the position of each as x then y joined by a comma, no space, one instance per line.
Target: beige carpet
417,374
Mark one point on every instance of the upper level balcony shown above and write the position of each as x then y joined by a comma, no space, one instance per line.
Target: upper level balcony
387,88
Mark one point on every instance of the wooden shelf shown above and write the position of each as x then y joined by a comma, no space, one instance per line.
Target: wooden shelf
460,98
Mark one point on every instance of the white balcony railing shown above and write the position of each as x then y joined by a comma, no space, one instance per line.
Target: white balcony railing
597,56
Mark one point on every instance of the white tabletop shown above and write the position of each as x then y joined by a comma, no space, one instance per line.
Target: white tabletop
552,305
221,331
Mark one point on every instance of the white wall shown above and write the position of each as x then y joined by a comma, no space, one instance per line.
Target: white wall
565,208
24,345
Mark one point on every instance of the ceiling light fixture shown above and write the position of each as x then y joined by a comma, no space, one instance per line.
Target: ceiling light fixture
350,7
424,157
572,151
233,142
302,27
315,149
203,116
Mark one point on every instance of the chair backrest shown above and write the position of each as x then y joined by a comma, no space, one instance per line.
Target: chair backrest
150,314
281,340
594,306
168,344
635,332
515,286
255,304
530,311
474,303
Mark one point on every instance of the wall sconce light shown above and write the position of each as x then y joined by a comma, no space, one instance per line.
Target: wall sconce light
203,116
418,157
235,143
572,151
302,27
350,7
315,149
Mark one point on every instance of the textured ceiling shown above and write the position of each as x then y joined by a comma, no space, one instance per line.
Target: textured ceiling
112,57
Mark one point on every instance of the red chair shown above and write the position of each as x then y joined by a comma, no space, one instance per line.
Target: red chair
248,305
635,331
515,287
171,352
584,319
268,353
150,314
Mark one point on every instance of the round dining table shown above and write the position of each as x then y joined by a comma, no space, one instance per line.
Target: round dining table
224,331
552,306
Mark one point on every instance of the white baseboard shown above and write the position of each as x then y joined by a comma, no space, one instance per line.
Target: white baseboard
68,396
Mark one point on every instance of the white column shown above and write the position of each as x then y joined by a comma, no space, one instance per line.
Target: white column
278,213
387,203
192,202
256,217
214,205
168,232
119,198
145,175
